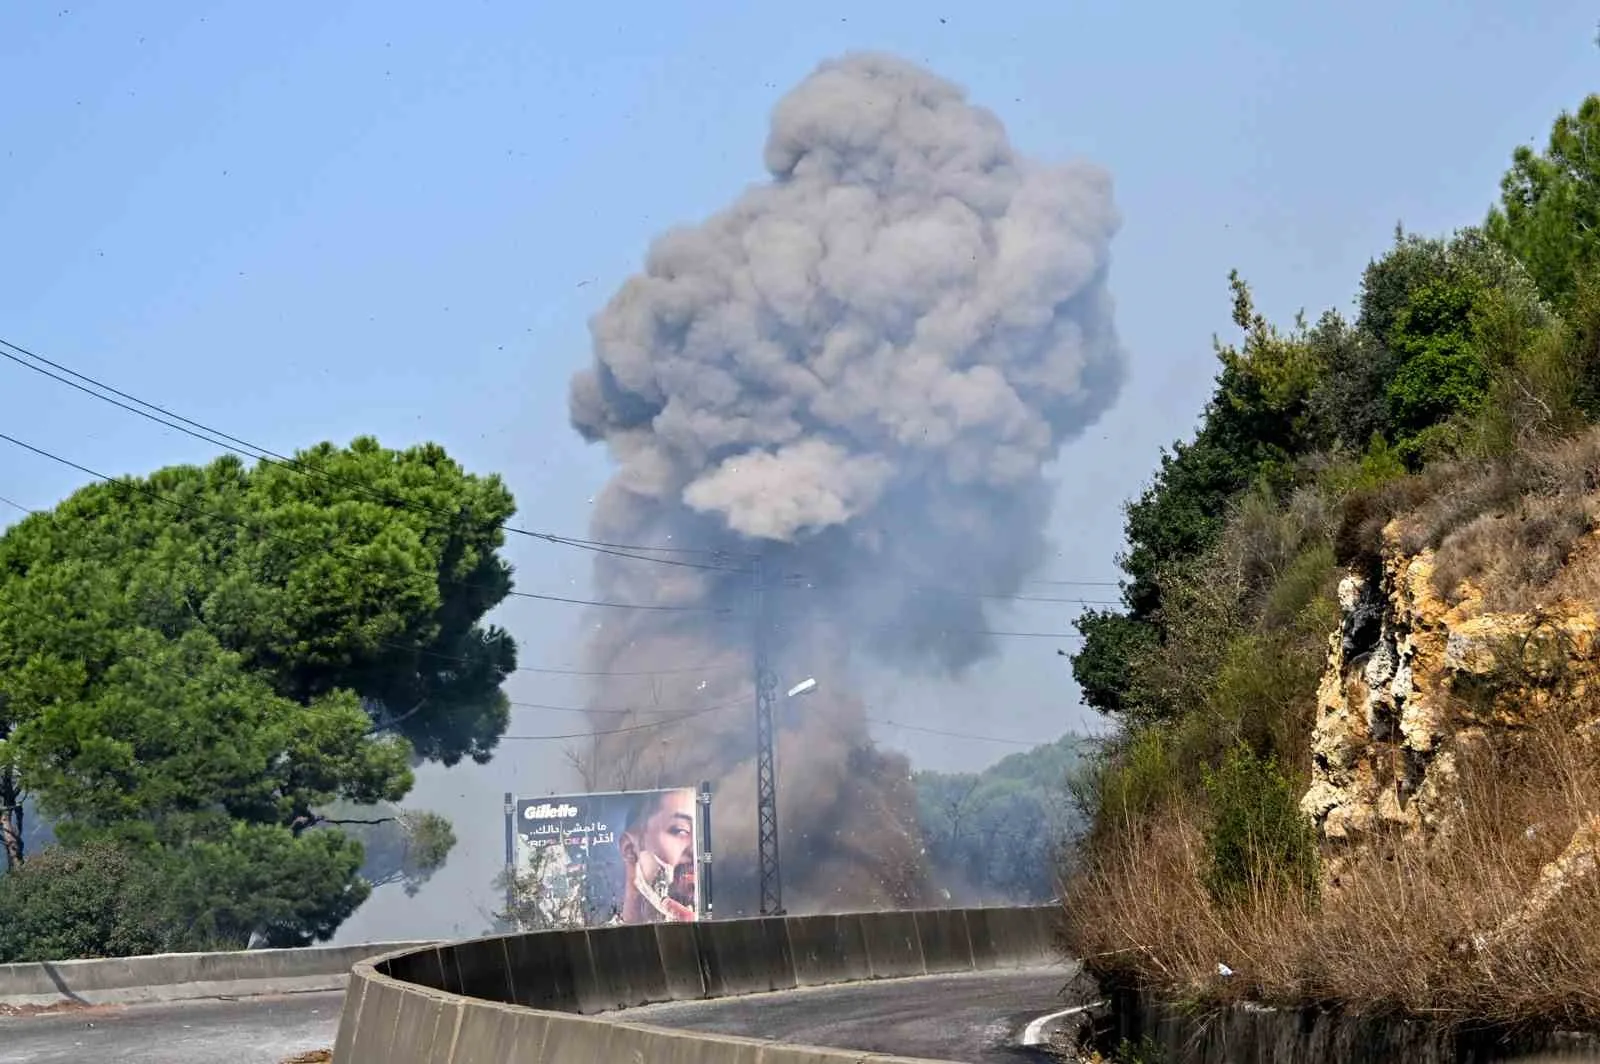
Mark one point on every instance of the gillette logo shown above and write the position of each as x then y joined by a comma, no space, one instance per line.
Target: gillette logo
547,811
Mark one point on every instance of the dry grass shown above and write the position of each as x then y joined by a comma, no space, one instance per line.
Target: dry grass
1407,927
1514,556
1506,525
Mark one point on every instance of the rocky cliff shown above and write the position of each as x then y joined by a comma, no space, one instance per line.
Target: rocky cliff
1416,678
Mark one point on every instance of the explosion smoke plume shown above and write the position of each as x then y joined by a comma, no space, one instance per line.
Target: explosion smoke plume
859,369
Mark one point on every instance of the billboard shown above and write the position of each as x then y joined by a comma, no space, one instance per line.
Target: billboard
589,860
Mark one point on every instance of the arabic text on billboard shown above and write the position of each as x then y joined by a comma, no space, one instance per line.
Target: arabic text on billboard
629,857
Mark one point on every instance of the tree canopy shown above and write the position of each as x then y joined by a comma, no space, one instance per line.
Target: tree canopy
1453,344
1550,204
992,835
207,658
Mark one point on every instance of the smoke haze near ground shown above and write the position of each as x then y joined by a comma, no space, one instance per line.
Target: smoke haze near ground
858,370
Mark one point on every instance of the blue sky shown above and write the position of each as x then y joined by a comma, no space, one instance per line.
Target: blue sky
310,221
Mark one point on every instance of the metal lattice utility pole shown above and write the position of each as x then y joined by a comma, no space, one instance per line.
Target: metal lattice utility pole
766,767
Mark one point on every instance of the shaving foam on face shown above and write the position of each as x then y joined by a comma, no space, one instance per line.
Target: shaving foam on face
656,885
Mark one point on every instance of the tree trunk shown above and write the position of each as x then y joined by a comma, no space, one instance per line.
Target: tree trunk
11,817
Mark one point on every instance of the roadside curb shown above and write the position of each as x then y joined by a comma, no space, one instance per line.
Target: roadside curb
166,977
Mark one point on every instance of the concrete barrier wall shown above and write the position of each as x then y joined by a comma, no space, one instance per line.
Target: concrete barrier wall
181,976
532,998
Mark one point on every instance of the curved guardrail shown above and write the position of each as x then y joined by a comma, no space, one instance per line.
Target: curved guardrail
532,998
185,976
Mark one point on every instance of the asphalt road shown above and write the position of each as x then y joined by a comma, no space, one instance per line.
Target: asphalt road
973,1017
976,1017
264,1030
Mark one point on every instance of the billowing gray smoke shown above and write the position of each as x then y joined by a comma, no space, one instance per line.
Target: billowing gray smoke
859,370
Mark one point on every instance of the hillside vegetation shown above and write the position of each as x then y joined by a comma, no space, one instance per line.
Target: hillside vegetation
992,836
1429,463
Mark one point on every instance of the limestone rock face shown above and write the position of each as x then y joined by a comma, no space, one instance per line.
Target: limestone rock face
1411,679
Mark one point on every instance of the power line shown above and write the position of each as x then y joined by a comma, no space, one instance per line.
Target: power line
698,609
618,605
954,735
896,628
221,517
218,438
672,715
379,728
18,506
1027,598
298,546
917,581
1016,635
601,709
632,728
958,593
573,672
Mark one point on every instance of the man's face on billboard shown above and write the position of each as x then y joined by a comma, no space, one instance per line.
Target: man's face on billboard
654,852
669,834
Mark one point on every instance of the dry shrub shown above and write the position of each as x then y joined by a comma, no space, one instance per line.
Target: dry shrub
1141,908
1510,528
1513,556
1505,524
1458,493
1410,927
1265,538
1246,628
1578,582
1358,540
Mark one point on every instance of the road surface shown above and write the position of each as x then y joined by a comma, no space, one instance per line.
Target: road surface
974,1017
265,1030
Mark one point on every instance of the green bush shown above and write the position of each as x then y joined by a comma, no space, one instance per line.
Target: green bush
97,900
1131,779
1379,464
1302,594
1258,842
1145,1051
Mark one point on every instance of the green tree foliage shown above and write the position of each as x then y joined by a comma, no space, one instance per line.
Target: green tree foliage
400,846
1424,306
992,835
1258,842
241,878
1262,416
1549,210
99,900
1453,351
206,659
1104,665
1349,403
1255,424
1245,630
1437,370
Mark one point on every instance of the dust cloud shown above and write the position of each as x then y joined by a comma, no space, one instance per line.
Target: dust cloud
856,371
